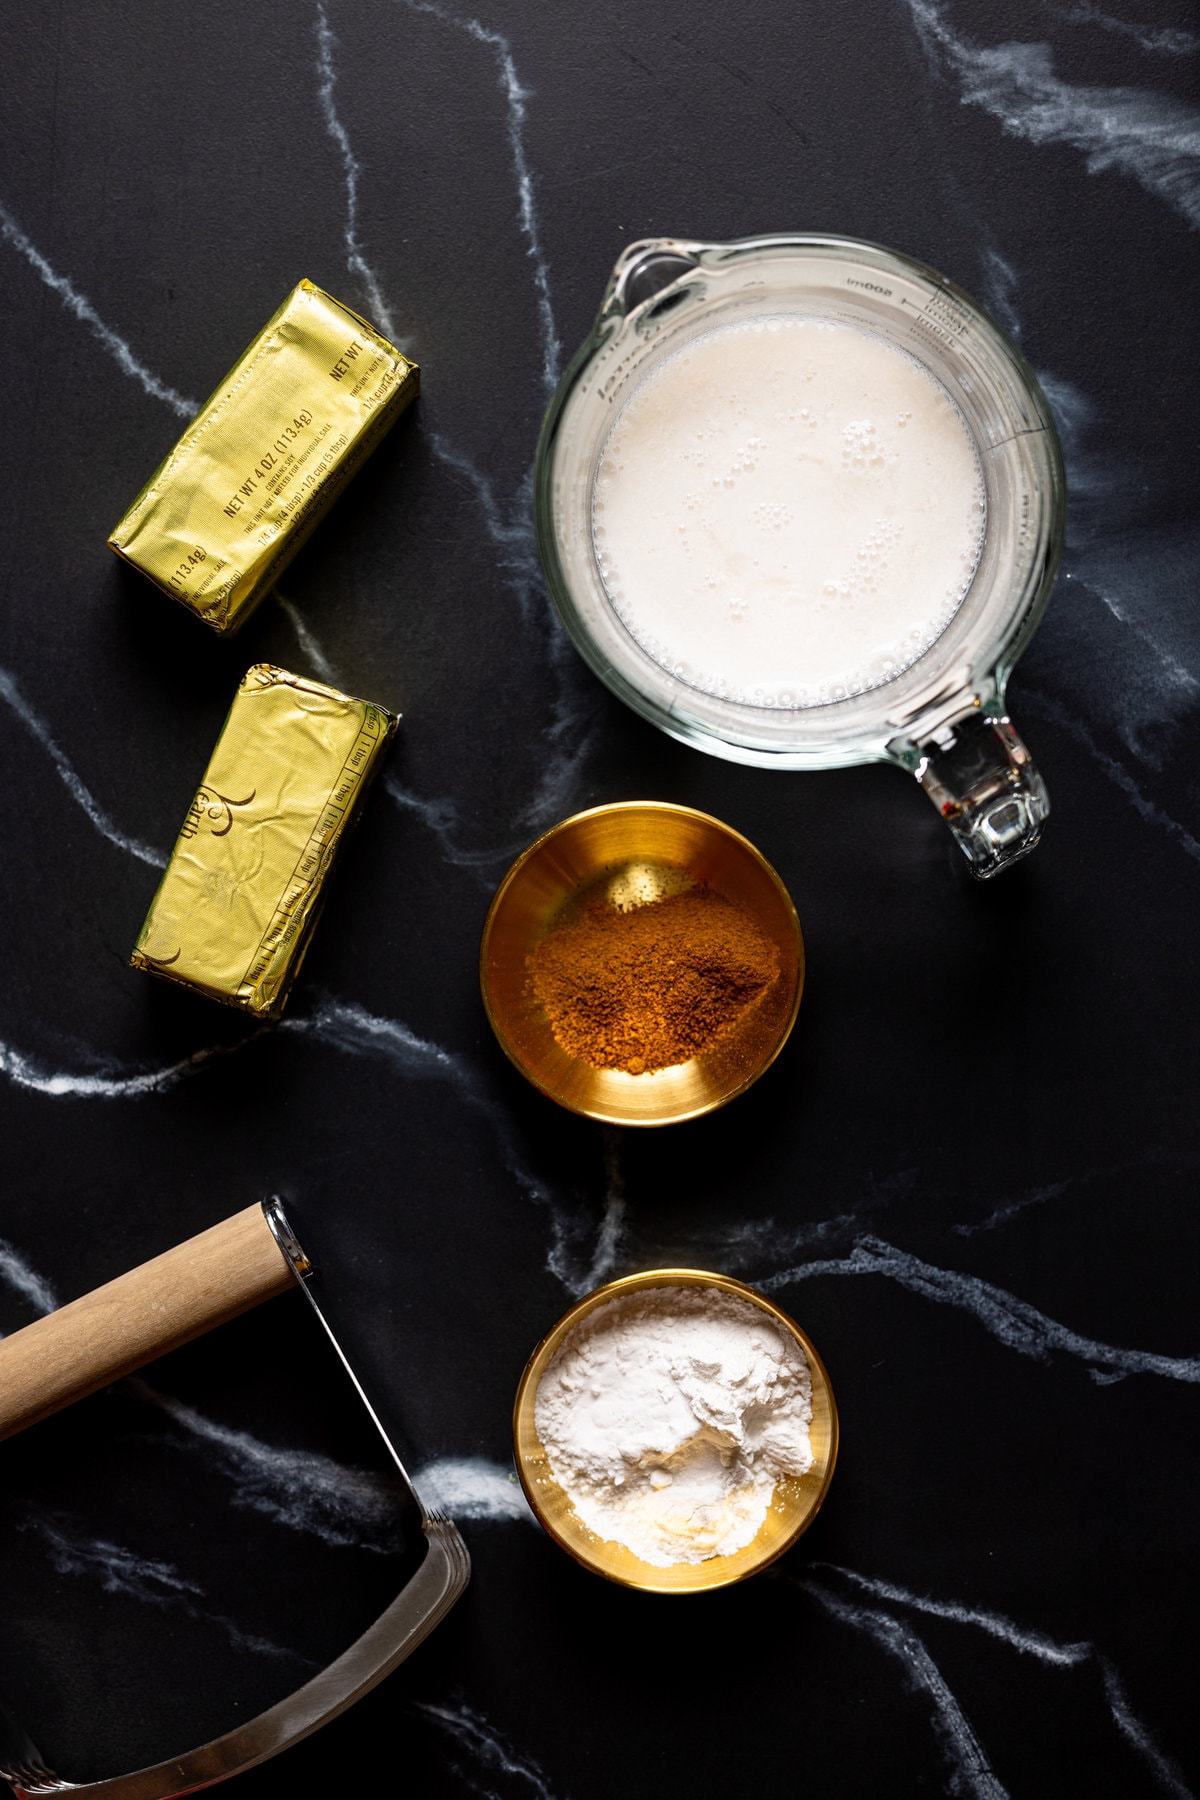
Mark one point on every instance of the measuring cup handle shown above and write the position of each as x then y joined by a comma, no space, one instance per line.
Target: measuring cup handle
982,780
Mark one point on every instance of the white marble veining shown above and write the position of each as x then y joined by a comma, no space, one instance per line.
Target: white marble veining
339,1504
1140,579
746,1244
351,1029
568,737
1030,1642
301,1489
612,1220
1173,674
356,262
1135,582
1169,1774
119,1570
442,818
484,1744
305,637
1018,1637
24,1280
972,1772
1013,1321
1011,1209
570,734
1155,40
1152,137
24,1072
515,96
1041,1195
471,1487
82,795
513,536
999,283
348,1027
355,1031
508,526
1147,809
82,309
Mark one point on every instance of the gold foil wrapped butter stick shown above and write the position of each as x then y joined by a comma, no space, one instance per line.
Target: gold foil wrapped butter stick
235,910
264,456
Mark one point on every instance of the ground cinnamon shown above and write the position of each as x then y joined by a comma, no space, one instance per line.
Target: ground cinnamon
654,985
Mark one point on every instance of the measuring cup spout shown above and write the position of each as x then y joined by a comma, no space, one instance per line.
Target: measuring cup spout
983,782
645,269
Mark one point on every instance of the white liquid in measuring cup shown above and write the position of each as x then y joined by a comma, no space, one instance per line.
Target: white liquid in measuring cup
787,512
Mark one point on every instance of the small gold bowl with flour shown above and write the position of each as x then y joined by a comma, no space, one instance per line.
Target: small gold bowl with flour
675,1431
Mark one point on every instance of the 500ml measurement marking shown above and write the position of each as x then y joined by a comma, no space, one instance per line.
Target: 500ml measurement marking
942,315
941,320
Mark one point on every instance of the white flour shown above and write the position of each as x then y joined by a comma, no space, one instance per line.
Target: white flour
669,1415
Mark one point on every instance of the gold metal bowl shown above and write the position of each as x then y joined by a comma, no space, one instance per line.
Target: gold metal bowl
796,1502
644,850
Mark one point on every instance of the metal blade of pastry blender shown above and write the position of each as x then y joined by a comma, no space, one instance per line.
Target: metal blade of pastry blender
429,1594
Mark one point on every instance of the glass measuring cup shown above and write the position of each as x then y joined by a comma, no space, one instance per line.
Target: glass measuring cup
942,718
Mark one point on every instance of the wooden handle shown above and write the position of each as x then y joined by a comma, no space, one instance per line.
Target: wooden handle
119,1327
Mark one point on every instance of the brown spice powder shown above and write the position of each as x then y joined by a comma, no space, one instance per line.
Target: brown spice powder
653,986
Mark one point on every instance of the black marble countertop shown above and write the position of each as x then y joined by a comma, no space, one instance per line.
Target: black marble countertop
971,1175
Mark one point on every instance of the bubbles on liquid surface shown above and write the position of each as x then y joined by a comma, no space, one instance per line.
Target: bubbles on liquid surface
862,446
801,570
